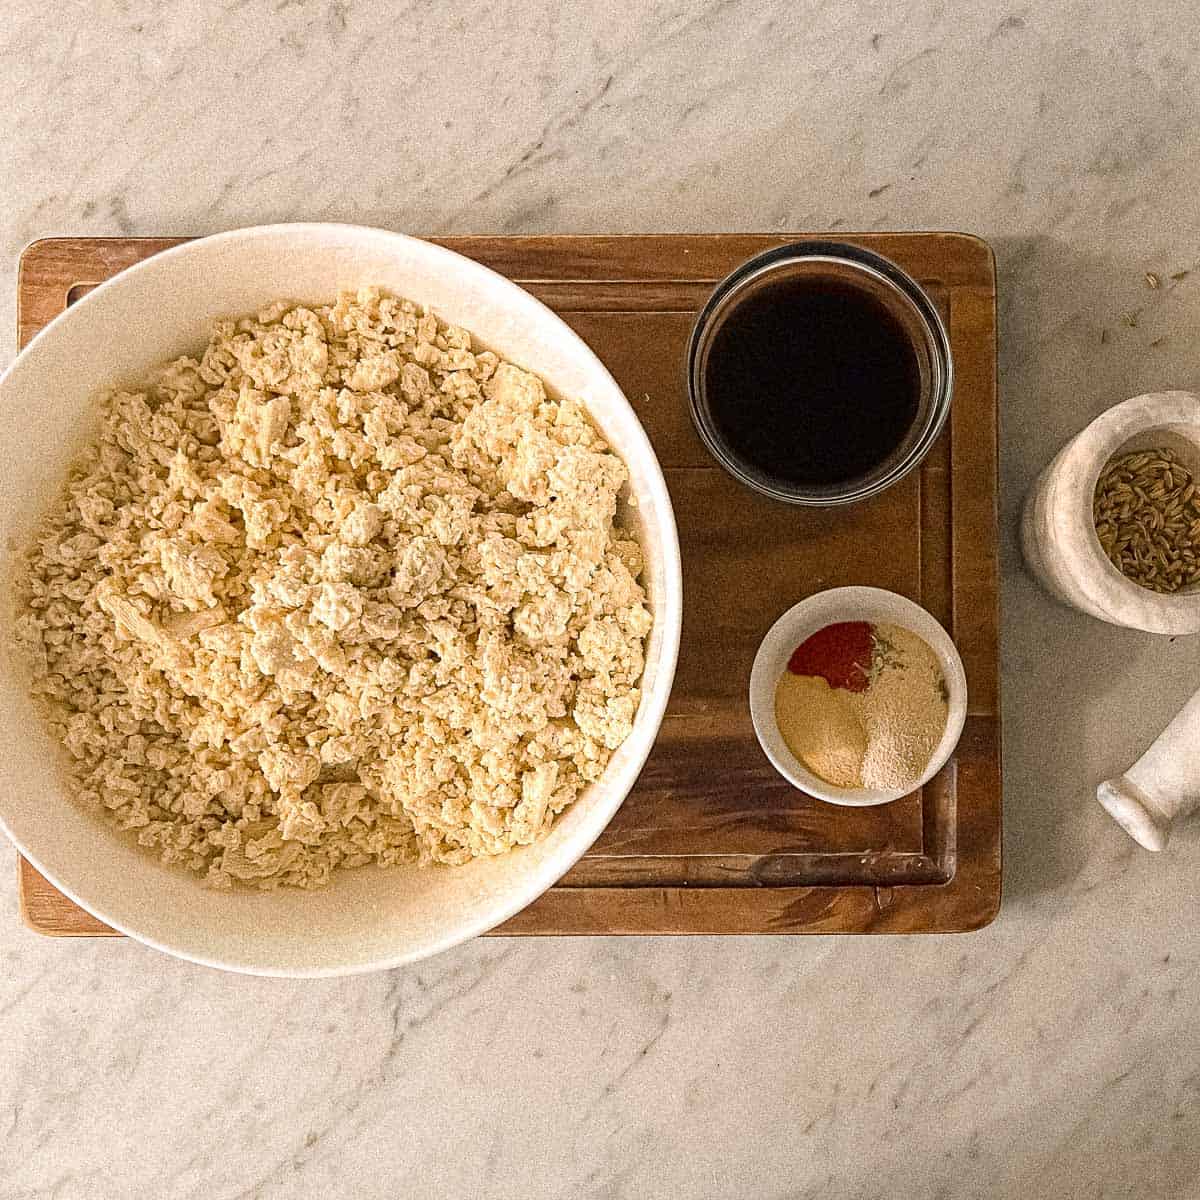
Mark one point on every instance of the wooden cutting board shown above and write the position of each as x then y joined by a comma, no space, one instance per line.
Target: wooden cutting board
711,839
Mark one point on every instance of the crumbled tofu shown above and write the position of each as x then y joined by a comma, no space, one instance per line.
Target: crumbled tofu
345,589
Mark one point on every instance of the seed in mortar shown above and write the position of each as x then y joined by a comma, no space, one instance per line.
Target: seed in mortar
863,705
1147,516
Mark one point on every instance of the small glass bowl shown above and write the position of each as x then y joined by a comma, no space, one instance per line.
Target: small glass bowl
902,297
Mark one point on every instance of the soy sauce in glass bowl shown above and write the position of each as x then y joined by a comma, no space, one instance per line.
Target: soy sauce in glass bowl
819,373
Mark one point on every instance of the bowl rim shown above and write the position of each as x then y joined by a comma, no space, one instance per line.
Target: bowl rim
670,604
826,608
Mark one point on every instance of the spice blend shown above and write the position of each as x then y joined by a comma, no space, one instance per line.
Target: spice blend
840,654
1147,515
863,705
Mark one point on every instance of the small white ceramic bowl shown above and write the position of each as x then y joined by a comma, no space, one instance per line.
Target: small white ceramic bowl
801,621
370,918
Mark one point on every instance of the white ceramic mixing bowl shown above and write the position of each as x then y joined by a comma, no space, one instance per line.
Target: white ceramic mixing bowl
370,918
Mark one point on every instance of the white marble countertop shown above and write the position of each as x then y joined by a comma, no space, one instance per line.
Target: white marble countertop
1054,1054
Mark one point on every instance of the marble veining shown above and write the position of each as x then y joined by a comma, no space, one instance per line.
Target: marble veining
1056,1053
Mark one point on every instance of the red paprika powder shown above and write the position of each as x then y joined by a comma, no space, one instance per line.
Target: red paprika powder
840,654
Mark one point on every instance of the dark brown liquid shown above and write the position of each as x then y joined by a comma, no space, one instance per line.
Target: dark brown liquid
813,381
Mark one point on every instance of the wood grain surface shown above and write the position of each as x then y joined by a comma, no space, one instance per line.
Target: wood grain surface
711,839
